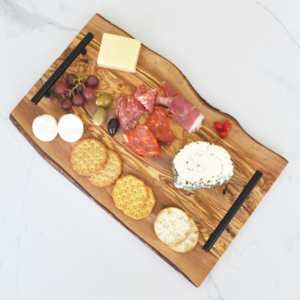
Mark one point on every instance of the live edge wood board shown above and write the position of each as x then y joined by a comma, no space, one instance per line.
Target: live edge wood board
206,206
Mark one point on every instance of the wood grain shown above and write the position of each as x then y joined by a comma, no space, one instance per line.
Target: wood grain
206,206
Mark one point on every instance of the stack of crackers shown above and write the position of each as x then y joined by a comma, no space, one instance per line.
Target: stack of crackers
133,197
102,166
173,227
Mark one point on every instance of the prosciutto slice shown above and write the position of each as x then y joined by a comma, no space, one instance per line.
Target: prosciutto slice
178,108
158,123
141,141
142,100
127,119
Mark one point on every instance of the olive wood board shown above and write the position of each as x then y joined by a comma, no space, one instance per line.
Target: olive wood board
206,206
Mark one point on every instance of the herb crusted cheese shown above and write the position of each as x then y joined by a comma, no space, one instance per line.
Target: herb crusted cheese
202,165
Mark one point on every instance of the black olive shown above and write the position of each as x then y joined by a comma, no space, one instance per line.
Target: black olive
113,126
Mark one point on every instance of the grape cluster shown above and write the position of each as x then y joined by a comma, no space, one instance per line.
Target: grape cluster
76,89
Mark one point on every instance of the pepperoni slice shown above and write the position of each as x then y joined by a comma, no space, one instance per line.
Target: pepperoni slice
158,123
141,141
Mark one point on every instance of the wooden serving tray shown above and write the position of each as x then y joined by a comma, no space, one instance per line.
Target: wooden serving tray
206,206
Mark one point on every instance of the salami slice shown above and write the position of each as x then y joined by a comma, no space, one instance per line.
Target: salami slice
127,119
134,104
141,141
141,100
158,123
146,97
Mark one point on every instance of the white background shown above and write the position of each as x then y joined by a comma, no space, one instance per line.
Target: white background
243,57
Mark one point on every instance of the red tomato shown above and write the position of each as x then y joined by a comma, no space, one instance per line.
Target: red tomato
227,125
223,134
218,125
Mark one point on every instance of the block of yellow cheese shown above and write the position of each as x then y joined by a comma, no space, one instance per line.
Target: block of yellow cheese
119,53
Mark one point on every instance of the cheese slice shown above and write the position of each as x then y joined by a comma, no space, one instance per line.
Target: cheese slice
119,53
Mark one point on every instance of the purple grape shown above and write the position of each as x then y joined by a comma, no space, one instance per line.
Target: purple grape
88,94
66,104
59,87
70,79
92,81
80,88
68,93
78,100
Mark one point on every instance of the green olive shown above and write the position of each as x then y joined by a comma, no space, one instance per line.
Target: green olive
99,116
105,100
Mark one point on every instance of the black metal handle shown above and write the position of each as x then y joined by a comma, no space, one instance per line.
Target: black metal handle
232,211
80,48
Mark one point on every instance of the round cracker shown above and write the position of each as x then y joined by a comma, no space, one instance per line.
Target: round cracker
172,226
129,194
148,206
190,242
111,171
88,157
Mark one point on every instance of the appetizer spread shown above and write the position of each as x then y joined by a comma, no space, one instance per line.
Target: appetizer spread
196,165
202,165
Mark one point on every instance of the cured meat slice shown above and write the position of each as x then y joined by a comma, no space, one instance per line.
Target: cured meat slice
127,119
191,121
141,141
183,112
146,97
142,100
158,123
134,104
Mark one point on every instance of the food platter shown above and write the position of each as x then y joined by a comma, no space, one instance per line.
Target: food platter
207,207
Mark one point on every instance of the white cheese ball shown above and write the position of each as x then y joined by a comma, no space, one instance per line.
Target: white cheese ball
202,165
45,128
70,128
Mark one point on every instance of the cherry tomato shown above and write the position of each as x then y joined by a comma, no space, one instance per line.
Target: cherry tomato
223,134
227,125
218,125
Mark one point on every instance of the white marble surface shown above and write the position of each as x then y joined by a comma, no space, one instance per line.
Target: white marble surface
244,58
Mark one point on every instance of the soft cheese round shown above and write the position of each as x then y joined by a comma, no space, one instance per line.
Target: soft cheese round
70,128
45,128
202,165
